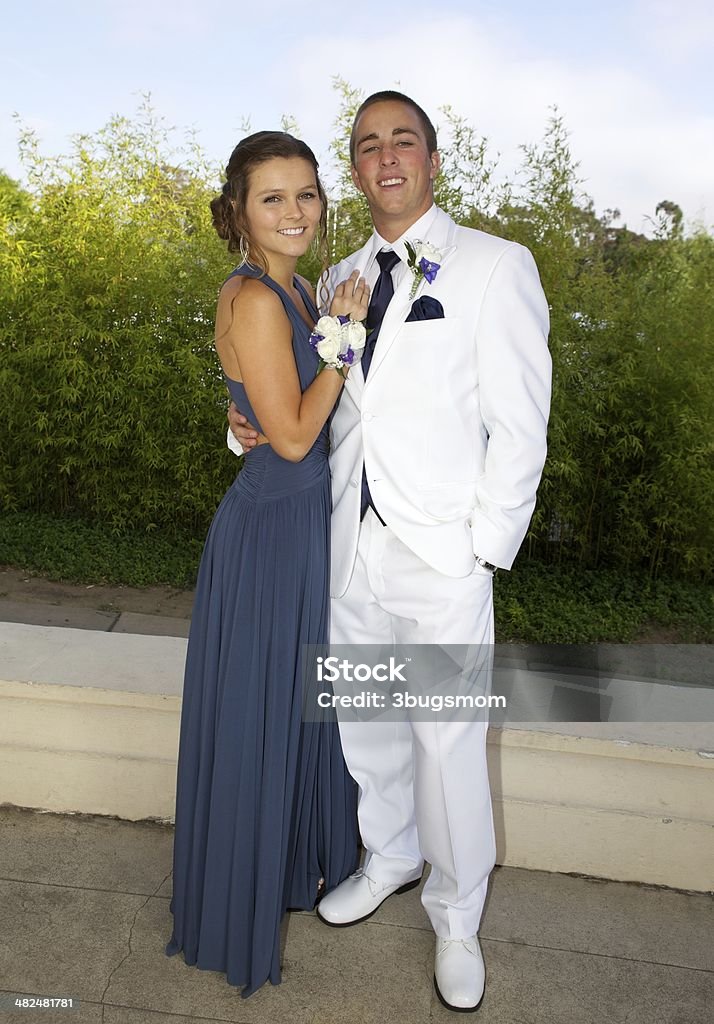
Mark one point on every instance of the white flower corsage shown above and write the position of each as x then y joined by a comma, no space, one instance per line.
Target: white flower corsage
424,262
338,341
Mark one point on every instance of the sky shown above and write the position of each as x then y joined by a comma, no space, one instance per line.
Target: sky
633,80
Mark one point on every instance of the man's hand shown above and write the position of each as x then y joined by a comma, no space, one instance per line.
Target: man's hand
244,432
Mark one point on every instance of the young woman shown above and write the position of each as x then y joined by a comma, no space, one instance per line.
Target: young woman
265,809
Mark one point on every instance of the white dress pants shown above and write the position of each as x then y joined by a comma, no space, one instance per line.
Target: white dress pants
424,792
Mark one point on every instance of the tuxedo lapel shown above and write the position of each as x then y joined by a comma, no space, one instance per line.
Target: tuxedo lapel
440,234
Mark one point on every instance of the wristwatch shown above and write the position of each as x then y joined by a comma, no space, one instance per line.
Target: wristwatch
486,565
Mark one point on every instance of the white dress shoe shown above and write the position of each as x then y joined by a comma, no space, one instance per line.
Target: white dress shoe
459,974
356,899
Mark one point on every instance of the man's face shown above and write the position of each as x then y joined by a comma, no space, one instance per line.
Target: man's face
393,167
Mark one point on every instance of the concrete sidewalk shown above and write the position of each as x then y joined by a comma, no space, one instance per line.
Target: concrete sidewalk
41,613
85,904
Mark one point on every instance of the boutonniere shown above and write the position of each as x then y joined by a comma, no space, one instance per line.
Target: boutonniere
424,262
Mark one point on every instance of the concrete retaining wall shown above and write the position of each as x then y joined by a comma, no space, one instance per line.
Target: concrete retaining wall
89,723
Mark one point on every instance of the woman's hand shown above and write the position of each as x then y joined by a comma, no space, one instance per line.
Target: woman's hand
351,298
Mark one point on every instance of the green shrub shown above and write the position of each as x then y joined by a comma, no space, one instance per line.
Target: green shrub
74,551
114,407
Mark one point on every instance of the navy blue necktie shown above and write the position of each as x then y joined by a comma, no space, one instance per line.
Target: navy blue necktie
381,297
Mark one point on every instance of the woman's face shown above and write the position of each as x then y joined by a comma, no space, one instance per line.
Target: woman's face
283,206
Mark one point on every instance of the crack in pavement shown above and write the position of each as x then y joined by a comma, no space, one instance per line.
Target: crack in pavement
127,955
131,933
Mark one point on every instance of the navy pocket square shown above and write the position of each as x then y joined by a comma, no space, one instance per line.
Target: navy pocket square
426,308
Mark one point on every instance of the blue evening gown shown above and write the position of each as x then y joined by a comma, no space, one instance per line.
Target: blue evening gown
264,806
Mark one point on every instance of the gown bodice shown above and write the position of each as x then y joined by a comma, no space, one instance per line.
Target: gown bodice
265,474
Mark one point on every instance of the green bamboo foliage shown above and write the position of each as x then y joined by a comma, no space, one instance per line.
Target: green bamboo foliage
112,391
113,404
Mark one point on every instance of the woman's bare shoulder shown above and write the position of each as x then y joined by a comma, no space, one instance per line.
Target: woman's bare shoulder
251,292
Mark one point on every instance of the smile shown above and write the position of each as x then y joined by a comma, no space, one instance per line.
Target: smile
291,231
391,181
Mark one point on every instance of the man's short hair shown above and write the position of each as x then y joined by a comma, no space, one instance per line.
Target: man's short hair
390,96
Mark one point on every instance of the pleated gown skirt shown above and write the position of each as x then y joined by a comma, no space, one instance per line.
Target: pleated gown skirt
265,807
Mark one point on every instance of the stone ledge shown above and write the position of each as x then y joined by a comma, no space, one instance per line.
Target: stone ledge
61,656
635,807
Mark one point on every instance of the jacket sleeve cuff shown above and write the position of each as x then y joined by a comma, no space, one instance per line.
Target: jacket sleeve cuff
497,546
234,444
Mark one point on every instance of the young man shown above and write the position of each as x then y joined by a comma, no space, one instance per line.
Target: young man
438,444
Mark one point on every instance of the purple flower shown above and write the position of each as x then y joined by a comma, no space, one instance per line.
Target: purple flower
348,356
428,269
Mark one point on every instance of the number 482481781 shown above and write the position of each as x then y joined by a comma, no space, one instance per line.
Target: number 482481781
44,1003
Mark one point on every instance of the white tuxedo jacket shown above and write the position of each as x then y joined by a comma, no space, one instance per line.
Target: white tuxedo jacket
451,422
